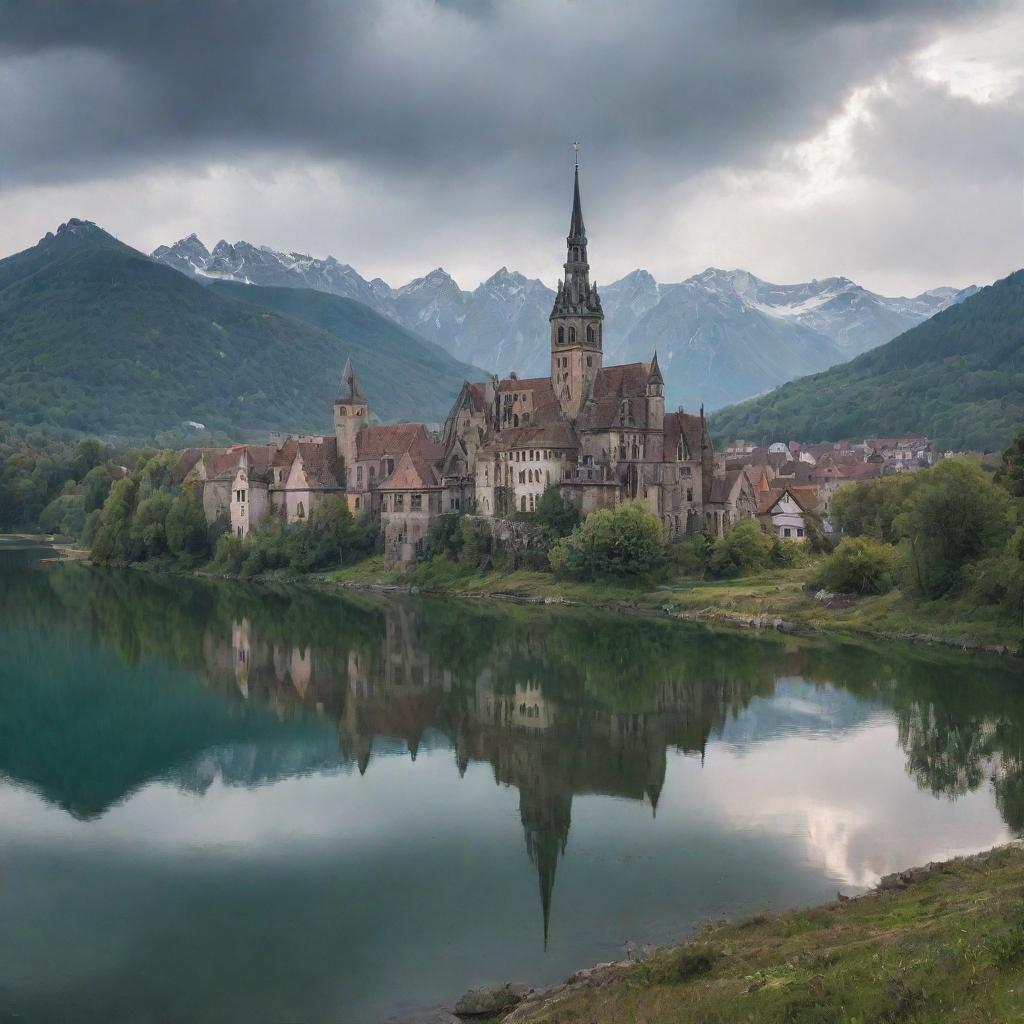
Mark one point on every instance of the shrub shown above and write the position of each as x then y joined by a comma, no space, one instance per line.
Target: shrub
628,540
860,565
228,555
689,556
744,548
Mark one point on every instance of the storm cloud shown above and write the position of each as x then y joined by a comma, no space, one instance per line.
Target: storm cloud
405,134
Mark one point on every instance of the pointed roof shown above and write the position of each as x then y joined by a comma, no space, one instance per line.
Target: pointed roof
351,390
576,228
655,376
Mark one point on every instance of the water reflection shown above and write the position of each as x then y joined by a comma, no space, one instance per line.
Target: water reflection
562,707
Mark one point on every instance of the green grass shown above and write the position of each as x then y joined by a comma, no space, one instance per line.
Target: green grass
778,594
949,949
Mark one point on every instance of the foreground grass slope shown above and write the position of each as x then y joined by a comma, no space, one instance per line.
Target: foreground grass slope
958,377
946,949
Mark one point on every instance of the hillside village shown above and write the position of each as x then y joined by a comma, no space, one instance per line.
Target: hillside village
601,434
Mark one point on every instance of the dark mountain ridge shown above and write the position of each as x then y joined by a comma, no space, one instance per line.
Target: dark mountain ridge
958,377
96,337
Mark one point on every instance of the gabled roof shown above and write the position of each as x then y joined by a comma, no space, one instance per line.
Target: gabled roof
393,439
612,386
804,498
411,474
320,462
690,428
724,488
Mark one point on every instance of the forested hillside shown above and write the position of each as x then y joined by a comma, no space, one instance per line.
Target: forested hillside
958,377
96,338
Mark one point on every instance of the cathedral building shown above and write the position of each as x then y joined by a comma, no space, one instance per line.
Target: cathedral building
601,434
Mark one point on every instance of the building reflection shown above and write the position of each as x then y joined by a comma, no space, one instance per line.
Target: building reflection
558,703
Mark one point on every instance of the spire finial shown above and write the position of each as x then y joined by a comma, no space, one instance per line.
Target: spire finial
576,152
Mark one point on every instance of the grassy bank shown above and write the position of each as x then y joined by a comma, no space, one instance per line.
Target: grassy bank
947,948
780,594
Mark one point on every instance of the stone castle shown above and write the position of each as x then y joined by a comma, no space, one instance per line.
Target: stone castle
599,433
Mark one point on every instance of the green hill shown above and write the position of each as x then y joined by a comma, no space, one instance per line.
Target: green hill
958,377
98,338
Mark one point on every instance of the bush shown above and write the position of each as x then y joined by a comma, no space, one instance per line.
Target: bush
744,548
860,565
689,556
229,554
625,541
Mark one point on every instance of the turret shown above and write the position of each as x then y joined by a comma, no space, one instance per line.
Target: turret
350,415
655,396
577,320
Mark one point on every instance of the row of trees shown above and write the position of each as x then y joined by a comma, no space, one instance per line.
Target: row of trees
330,537
951,530
54,487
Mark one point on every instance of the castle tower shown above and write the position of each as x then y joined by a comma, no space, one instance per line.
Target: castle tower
576,320
350,415
655,392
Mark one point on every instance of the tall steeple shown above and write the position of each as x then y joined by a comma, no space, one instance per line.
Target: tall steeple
576,318
351,390
351,411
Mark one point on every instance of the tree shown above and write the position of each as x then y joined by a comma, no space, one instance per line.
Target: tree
870,509
628,540
1011,470
187,532
860,565
955,515
555,516
113,543
743,548
149,530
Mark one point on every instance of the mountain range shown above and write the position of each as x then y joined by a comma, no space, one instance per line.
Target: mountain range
96,337
958,377
721,336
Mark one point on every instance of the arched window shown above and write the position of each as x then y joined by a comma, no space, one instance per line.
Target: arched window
357,503
636,451
301,511
572,335
591,337
561,335
522,503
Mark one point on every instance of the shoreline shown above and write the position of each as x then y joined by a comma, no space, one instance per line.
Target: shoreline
543,590
914,905
768,620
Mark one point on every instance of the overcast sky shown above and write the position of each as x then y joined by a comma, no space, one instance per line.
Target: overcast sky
880,139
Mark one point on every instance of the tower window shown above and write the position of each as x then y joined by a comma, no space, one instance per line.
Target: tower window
590,360
591,337
561,335
572,335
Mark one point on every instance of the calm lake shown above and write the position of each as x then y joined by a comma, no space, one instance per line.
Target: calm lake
227,804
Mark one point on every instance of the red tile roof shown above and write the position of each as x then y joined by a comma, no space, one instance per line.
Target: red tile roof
392,439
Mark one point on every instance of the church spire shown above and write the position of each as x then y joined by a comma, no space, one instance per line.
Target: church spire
351,390
576,317
577,232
